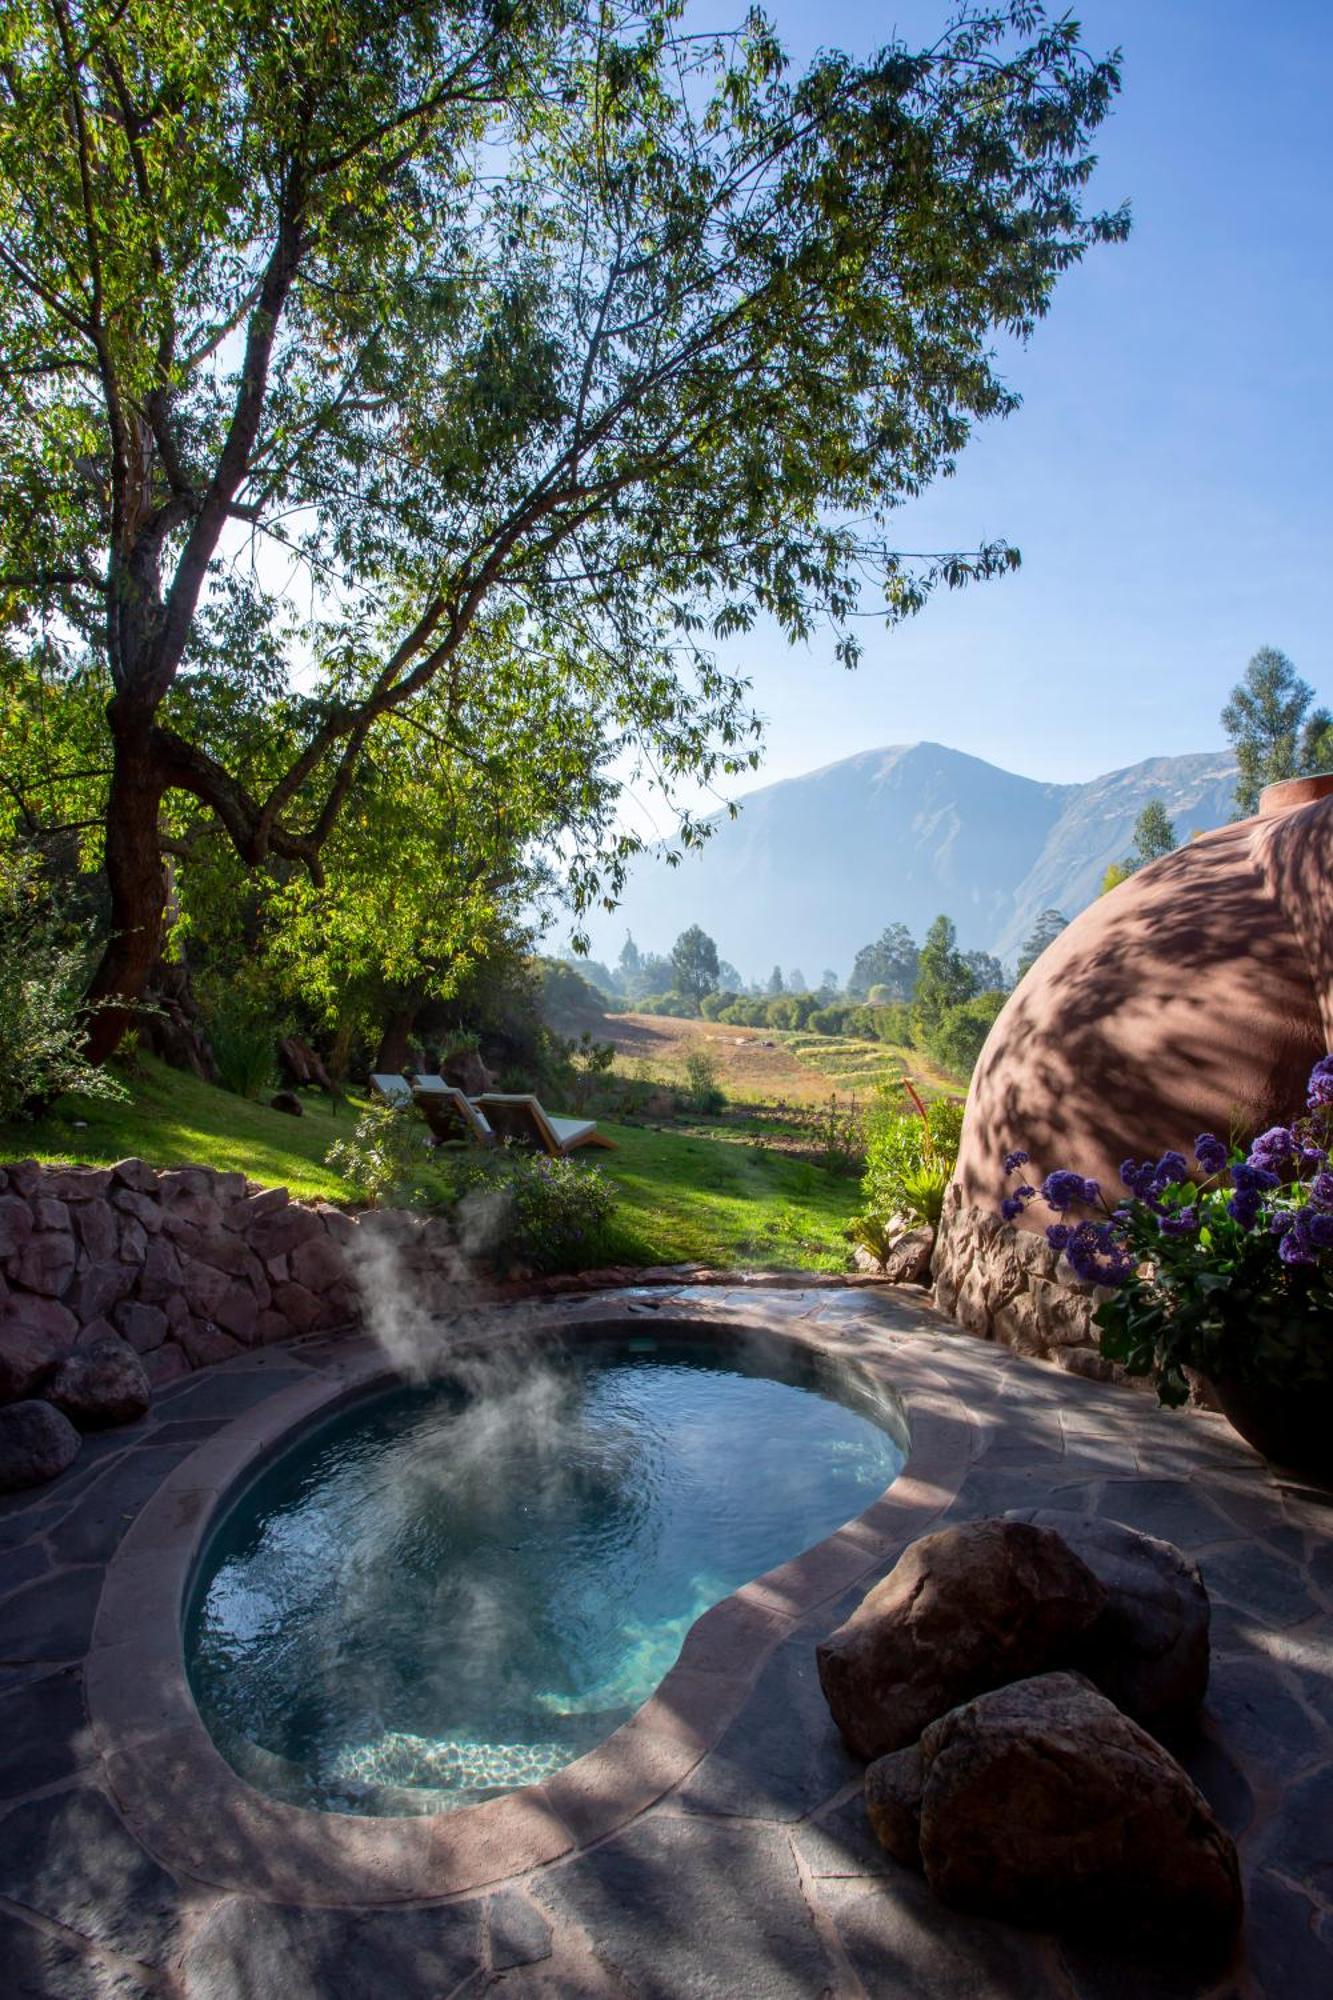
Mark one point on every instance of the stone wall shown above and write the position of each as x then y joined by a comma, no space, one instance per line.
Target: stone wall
1007,1284
189,1266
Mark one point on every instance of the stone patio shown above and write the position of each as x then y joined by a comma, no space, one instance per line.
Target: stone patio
746,1868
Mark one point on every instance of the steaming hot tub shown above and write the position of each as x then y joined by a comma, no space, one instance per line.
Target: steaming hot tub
448,1591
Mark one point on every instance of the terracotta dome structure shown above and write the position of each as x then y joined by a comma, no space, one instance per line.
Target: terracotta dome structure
1194,997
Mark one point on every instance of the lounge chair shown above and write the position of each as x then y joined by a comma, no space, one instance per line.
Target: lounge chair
449,1113
394,1090
522,1120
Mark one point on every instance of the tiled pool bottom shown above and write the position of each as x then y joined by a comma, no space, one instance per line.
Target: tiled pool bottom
738,1861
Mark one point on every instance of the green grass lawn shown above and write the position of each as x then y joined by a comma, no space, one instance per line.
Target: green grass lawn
694,1198
174,1120
681,1197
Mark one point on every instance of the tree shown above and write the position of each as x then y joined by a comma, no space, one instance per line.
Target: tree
944,978
1273,729
628,964
694,963
555,331
960,1034
776,983
728,977
1045,931
987,972
891,961
796,981
1154,834
828,983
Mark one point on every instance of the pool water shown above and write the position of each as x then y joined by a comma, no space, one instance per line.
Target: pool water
449,1591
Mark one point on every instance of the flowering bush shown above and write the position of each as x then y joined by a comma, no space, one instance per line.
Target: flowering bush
1225,1267
523,1211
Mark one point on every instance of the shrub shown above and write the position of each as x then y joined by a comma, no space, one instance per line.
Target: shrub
782,1011
243,1038
713,1006
41,1004
959,1035
701,1083
388,1160
830,1020
523,1211
893,1023
900,1143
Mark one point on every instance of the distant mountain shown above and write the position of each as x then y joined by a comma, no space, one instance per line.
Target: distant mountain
816,866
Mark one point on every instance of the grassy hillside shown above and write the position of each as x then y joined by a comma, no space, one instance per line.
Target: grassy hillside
768,1065
682,1197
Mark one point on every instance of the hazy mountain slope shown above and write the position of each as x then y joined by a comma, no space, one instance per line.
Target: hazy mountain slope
1097,825
816,866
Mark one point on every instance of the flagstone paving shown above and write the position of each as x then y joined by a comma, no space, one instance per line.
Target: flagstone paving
755,1873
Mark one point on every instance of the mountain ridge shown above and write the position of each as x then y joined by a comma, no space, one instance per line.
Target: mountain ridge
815,865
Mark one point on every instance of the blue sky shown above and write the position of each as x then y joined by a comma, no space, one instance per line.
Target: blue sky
1167,478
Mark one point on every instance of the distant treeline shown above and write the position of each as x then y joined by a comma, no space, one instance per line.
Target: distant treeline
930,996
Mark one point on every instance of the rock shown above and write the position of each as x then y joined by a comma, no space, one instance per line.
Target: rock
160,1273
177,1182
288,1101
15,1224
467,1072
166,1364
98,1288
46,1262
963,1610
1149,1649
908,1259
894,1786
274,1235
145,1327
1043,1805
136,1175
36,1444
141,1208
96,1224
35,1334
101,1385
237,1313
1089,1362
318,1264
299,1307
204,1343
264,1201
77,1184
300,1064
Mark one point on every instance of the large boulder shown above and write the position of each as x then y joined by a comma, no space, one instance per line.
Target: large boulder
893,1793
1149,1649
907,1261
36,1444
100,1385
1042,1804
963,1610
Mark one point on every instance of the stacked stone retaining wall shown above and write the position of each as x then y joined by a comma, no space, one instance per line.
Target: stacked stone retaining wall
1007,1284
189,1265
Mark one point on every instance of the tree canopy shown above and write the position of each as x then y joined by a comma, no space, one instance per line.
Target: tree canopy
1044,932
694,963
348,350
889,962
1275,731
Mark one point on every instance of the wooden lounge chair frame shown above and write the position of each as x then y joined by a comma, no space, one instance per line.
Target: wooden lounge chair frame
449,1114
521,1119
392,1090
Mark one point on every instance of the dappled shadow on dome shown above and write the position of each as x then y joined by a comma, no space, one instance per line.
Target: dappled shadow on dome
1194,997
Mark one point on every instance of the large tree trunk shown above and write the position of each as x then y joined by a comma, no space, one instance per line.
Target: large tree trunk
137,882
397,1031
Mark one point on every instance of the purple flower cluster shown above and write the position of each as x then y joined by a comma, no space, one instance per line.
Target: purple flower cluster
1284,1185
